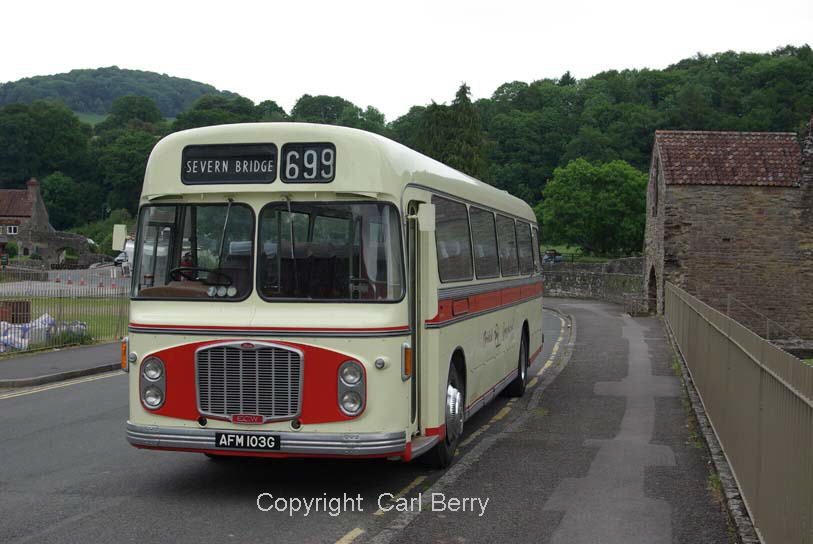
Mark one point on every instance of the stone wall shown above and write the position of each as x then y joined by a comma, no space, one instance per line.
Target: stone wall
619,288
619,281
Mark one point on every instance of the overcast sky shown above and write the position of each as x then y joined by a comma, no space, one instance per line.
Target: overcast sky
388,54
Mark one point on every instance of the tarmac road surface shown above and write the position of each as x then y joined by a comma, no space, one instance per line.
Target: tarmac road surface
596,451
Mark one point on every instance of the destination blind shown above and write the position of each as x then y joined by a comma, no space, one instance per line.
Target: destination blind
233,163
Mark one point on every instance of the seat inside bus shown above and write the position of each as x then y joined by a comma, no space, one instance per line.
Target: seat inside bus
320,271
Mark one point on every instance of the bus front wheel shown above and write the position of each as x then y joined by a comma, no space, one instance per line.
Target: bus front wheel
442,454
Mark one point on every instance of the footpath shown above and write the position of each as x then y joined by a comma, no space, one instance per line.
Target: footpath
26,370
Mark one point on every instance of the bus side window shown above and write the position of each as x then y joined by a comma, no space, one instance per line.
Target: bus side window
526,260
486,260
507,238
453,240
535,243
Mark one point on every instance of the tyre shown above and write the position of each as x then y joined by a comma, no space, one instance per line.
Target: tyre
442,455
517,387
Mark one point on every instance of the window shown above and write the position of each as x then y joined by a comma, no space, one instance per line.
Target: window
195,252
11,229
486,261
508,245
453,240
526,259
338,252
535,242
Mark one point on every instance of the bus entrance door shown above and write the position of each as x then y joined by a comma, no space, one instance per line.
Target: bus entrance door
423,304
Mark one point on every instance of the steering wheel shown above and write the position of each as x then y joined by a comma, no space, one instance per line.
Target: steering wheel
185,272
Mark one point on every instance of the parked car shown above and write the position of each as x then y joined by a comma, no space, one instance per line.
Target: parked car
552,256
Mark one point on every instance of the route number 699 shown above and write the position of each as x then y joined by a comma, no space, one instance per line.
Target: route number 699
308,163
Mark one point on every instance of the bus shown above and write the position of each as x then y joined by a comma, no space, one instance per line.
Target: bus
302,290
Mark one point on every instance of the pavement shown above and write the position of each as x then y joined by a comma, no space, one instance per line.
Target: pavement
52,366
598,450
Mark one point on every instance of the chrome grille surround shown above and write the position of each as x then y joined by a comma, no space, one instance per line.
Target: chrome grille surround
249,377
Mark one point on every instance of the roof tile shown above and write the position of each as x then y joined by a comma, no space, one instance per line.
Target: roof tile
729,158
15,203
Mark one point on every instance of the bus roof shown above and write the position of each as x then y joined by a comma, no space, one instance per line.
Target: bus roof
365,163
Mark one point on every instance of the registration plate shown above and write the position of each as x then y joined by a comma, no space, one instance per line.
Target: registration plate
242,441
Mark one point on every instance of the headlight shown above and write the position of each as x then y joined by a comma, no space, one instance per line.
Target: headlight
351,372
152,369
153,397
351,402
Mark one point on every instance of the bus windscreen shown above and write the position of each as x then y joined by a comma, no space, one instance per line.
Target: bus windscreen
194,252
330,252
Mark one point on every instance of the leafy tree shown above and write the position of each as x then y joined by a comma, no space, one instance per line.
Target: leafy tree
217,110
601,208
405,128
453,135
319,109
40,138
134,112
371,119
68,202
122,164
11,249
101,231
268,110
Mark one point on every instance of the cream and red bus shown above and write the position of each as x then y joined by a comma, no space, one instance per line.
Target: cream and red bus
303,290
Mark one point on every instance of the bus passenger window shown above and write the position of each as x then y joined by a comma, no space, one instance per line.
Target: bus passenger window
537,260
526,260
486,261
508,245
453,240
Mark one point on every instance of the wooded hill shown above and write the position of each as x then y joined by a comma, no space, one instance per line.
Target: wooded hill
93,91
576,150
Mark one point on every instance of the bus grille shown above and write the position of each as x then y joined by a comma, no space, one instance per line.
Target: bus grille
260,380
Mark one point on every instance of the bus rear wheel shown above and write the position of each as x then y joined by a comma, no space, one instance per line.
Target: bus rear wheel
442,455
517,387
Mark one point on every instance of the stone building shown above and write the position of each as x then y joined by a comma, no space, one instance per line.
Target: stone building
730,219
24,221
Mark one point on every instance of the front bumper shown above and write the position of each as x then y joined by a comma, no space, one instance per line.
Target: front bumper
291,443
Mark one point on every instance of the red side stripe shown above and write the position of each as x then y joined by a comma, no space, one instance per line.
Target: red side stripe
235,328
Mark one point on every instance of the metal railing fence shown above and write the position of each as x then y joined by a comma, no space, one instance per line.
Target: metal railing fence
759,400
49,309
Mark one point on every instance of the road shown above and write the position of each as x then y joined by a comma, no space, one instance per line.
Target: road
566,463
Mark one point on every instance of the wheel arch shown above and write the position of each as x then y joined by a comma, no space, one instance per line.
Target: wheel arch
458,360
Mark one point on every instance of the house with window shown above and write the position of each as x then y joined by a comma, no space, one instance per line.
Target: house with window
24,221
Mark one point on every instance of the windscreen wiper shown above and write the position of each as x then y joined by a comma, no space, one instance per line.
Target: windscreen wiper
293,256
223,235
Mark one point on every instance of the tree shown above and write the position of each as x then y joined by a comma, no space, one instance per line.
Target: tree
213,109
122,164
268,110
101,231
453,135
65,199
40,138
134,112
319,109
601,208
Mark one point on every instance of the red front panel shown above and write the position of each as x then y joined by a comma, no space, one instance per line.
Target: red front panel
319,393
